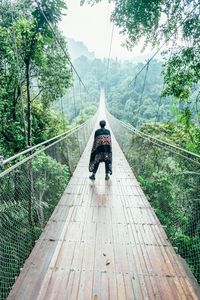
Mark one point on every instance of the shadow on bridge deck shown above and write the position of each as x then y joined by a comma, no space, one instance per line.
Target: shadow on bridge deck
102,242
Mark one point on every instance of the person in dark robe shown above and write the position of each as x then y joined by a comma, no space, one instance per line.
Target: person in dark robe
101,151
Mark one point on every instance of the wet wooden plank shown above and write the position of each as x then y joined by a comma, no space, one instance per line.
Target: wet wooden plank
104,241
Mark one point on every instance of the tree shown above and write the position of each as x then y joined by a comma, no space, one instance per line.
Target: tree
33,67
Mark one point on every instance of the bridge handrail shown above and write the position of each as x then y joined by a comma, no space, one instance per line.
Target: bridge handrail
62,135
156,140
72,130
160,141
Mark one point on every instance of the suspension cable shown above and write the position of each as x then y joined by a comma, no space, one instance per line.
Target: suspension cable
162,143
74,98
147,63
80,91
141,97
39,151
70,131
60,44
163,85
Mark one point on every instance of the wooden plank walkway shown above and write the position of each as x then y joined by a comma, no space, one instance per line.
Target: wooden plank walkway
103,242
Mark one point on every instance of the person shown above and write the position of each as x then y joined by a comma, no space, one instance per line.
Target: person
101,151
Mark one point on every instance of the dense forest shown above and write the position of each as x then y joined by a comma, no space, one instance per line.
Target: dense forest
34,91
42,96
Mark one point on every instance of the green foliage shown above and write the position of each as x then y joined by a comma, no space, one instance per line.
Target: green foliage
47,171
188,247
176,134
34,73
153,19
133,101
16,243
47,122
17,233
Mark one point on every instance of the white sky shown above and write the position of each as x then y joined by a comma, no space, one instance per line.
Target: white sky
91,25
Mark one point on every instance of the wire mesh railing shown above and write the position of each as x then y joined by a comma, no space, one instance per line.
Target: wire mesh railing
30,190
170,176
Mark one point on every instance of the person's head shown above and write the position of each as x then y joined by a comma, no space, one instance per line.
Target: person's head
102,123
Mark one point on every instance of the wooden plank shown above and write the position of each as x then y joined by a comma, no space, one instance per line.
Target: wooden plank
34,271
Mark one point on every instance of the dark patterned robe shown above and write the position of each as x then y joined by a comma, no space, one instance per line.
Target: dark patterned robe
102,149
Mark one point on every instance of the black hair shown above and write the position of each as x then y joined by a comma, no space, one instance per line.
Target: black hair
102,123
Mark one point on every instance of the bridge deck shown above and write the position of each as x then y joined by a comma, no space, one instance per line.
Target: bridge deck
102,242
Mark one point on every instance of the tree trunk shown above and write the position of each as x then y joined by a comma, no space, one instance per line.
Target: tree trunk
29,115
29,137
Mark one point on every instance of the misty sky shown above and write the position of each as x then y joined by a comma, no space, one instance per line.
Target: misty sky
91,25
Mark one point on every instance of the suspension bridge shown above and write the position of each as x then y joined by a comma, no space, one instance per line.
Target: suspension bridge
102,241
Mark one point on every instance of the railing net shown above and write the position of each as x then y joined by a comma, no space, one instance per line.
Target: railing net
171,179
30,190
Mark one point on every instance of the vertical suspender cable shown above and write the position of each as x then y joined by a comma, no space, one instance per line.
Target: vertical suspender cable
157,119
74,98
141,97
108,63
